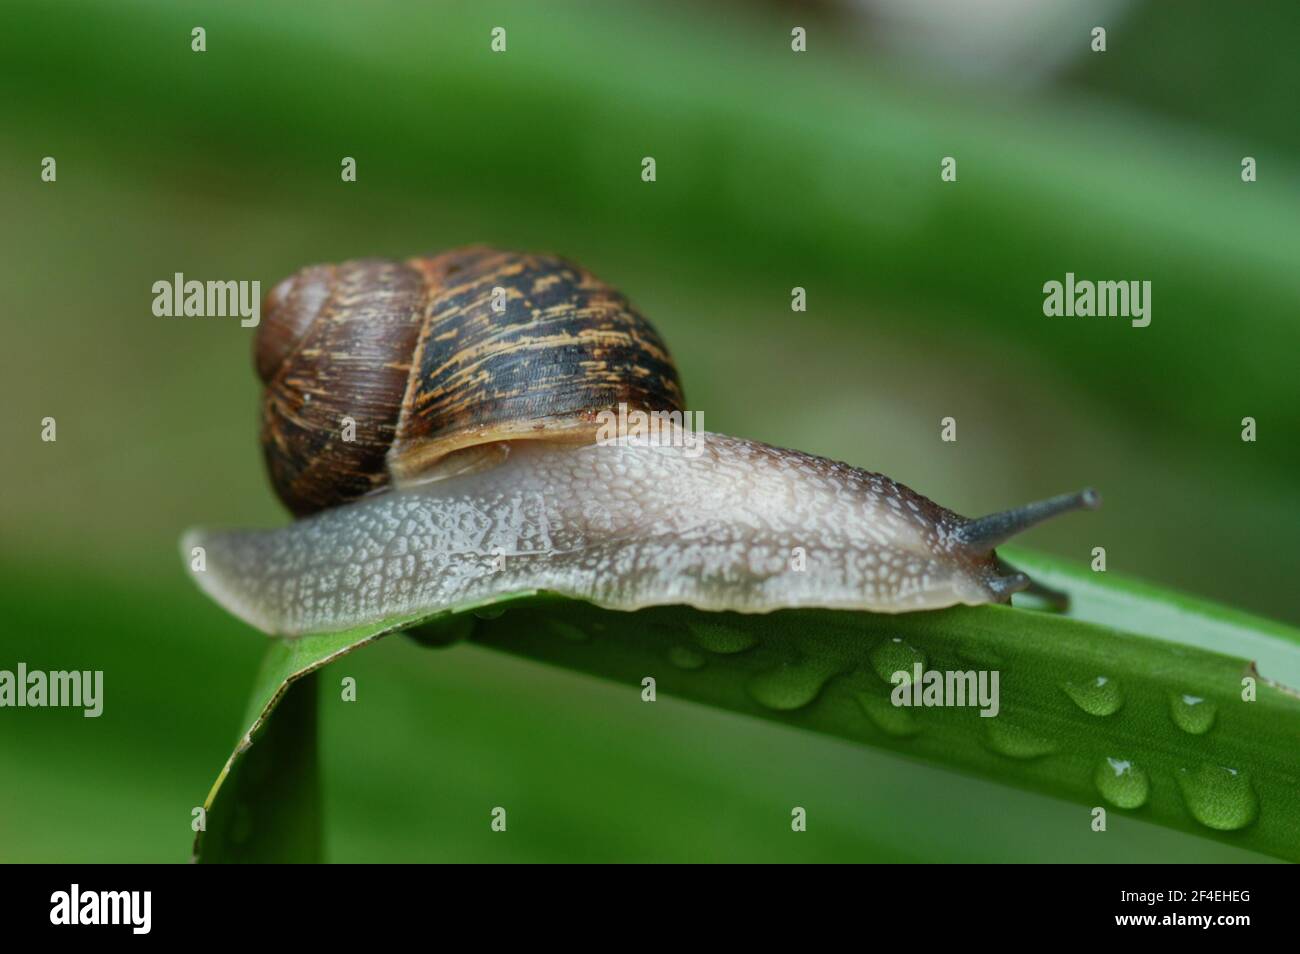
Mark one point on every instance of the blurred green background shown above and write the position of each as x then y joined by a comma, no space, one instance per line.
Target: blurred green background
775,169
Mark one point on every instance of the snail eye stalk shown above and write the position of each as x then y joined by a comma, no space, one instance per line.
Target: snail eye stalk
981,534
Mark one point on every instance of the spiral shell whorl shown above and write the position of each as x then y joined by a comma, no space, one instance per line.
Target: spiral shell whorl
565,347
416,355
343,335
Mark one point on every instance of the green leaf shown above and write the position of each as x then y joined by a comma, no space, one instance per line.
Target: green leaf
269,809
1152,725
271,805
1139,607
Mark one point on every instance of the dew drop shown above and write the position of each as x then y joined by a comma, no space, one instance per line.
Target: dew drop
889,718
1122,783
1192,714
1099,696
683,657
895,655
566,631
490,612
720,638
1218,797
791,685
1016,742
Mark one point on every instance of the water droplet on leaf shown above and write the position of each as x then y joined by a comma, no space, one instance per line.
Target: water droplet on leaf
1122,783
889,718
792,685
895,655
1099,696
1192,714
1016,742
720,638
1218,797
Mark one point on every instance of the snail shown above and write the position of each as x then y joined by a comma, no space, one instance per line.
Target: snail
479,387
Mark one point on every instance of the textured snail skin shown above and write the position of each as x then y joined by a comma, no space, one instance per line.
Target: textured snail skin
624,526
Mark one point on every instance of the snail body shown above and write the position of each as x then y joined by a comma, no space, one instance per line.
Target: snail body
486,478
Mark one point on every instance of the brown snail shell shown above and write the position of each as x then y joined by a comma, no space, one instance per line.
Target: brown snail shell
416,354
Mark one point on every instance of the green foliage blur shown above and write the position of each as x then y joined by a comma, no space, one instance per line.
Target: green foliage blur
774,170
